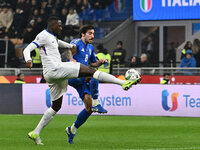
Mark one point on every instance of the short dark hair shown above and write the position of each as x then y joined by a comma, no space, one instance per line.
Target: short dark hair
166,74
20,74
52,19
120,42
85,28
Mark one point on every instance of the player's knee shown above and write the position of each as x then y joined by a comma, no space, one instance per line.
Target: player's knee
88,109
56,108
92,70
56,105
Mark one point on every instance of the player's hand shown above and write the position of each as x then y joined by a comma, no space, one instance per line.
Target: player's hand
74,49
29,64
72,60
103,61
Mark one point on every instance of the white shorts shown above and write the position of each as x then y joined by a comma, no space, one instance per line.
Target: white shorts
57,77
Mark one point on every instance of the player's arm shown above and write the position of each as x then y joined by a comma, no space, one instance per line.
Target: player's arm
27,54
69,55
98,63
63,44
39,41
94,62
71,49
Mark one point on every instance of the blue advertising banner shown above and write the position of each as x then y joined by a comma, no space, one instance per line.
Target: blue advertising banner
166,9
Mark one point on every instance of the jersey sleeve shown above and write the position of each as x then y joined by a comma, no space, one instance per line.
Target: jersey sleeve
77,43
63,44
40,40
93,56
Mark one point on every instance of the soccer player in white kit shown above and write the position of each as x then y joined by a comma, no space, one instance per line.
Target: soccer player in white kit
56,72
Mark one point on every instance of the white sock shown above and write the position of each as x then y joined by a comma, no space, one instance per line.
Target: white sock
105,77
48,115
73,129
95,102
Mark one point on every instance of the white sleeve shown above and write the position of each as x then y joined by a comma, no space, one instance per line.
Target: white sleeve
40,40
27,51
63,44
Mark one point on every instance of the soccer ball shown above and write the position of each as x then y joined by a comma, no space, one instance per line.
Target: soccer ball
132,75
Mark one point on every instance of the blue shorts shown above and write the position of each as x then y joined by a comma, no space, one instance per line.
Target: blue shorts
81,85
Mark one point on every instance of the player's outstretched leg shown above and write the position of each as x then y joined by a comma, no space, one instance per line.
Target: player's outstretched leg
96,106
127,85
47,117
86,71
105,77
81,119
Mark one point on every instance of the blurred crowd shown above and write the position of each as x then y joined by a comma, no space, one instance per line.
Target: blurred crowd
22,20
18,15
190,55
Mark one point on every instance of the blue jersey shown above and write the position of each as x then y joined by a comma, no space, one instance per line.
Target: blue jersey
85,53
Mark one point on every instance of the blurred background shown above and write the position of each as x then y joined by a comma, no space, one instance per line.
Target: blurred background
138,34
141,34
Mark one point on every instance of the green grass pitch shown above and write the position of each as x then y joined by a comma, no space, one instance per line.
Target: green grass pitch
102,133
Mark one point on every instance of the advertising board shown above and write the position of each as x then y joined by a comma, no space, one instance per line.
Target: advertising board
145,100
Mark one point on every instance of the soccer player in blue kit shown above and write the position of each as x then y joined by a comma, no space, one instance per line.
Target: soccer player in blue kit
84,54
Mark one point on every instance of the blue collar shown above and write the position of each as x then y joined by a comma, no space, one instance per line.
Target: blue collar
83,43
49,32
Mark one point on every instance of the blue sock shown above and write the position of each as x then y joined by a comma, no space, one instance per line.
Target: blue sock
81,118
94,87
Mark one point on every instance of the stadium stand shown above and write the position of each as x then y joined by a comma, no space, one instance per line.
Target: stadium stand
23,15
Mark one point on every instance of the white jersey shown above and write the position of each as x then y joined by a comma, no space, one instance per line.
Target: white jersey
55,72
48,44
